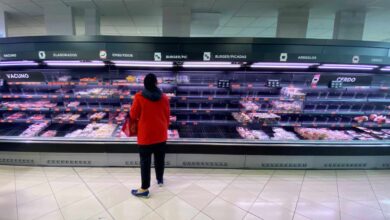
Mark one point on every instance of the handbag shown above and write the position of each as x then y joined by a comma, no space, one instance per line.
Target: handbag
130,127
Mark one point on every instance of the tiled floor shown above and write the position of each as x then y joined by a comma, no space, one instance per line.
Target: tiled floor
50,193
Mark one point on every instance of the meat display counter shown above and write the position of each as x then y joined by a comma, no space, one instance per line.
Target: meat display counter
223,114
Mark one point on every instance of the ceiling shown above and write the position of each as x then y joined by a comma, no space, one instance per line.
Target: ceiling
241,18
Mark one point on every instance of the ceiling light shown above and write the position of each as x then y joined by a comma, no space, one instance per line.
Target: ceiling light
347,67
211,65
18,63
283,65
121,63
74,63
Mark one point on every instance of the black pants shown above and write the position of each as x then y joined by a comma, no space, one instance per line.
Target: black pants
145,154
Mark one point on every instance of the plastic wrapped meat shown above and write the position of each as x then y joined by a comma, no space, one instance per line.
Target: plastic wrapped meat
172,118
37,117
264,117
241,117
280,134
94,130
288,106
64,78
34,129
252,134
121,116
322,134
67,117
16,115
97,116
49,133
249,105
73,104
292,93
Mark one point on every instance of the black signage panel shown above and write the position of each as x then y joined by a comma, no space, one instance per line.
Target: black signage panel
346,79
71,51
11,56
218,52
23,76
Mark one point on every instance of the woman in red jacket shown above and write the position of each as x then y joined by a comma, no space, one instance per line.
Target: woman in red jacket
151,109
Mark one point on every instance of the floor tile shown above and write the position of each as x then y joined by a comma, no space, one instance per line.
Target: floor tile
8,206
276,196
152,216
272,211
249,216
101,216
202,216
37,208
113,196
359,210
7,186
72,194
315,210
196,196
213,186
33,193
182,209
82,209
158,196
222,210
65,182
56,215
132,208
238,197
101,183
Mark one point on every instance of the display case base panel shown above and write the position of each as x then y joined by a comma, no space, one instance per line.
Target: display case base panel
196,161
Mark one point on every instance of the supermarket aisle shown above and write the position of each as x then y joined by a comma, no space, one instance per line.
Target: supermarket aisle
104,193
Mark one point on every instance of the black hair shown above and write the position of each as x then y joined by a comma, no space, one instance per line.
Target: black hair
150,82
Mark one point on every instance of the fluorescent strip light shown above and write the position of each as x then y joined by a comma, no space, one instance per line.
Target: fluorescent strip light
283,65
347,67
211,65
18,63
74,63
121,63
386,69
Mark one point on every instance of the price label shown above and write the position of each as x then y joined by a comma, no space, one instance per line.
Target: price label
194,111
54,96
10,109
29,96
79,97
183,98
195,123
67,96
94,109
4,96
107,109
250,85
72,83
118,109
23,109
207,111
28,121
44,96
210,98
211,85
80,109
100,84
183,123
67,109
266,99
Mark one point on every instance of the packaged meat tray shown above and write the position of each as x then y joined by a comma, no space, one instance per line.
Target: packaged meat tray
34,129
49,133
94,130
264,117
249,105
322,134
292,93
252,134
279,134
287,106
241,117
173,134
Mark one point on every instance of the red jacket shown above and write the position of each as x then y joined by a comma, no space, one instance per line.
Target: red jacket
153,119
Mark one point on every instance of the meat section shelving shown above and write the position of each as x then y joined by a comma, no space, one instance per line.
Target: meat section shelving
200,104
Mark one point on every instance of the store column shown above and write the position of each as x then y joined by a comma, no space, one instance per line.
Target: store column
92,22
176,21
59,20
349,25
3,24
292,23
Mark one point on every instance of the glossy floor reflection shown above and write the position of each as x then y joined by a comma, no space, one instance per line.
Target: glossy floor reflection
53,193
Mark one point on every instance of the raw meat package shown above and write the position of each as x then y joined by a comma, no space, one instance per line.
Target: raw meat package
282,135
292,93
287,106
34,129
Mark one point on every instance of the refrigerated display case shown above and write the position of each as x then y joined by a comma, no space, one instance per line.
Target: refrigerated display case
239,112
